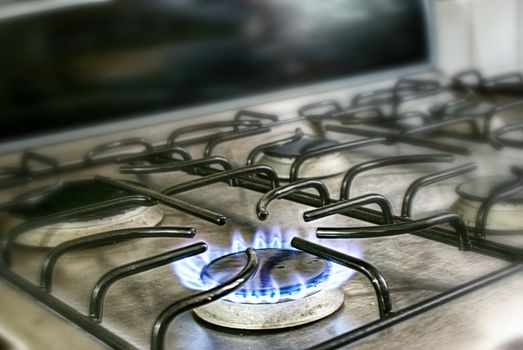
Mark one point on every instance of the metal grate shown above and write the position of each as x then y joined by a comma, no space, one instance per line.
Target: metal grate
262,179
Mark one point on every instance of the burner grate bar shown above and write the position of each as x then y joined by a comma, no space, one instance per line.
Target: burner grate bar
351,115
33,197
437,234
211,145
24,174
345,205
30,156
66,311
162,322
416,186
101,239
92,157
133,268
504,192
235,124
176,166
508,83
433,127
352,145
402,228
220,176
25,227
186,207
498,141
251,158
327,106
280,192
399,137
349,177
89,324
487,128
417,309
255,115
373,275
158,152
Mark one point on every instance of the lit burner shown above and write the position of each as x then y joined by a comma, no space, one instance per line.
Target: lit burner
277,277
290,287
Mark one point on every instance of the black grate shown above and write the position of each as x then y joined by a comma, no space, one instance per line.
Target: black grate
261,179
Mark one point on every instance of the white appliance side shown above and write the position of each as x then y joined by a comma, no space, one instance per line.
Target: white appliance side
520,32
451,20
483,34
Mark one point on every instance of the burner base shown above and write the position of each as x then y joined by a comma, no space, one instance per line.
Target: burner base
322,167
272,316
52,235
504,218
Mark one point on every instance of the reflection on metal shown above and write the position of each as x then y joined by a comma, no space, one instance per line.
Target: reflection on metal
13,9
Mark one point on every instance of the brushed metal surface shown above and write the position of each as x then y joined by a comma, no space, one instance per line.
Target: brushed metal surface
415,268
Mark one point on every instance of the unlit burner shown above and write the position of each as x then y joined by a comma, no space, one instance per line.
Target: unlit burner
287,290
504,218
72,195
281,159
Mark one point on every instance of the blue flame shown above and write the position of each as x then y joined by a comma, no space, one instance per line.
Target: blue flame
189,269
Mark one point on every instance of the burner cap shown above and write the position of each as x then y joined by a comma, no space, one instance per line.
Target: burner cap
281,159
286,291
479,189
281,272
71,195
504,218
297,148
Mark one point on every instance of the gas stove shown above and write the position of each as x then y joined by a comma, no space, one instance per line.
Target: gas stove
389,221
315,182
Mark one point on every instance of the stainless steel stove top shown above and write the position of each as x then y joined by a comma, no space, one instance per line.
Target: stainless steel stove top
425,271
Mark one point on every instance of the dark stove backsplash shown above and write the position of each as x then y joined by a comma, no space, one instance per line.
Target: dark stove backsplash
92,63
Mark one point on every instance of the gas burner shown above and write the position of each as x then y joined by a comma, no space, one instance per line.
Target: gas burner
272,316
70,195
290,287
295,279
283,275
281,158
505,217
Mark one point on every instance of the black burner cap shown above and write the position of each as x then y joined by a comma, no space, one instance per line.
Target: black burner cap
480,189
297,148
69,195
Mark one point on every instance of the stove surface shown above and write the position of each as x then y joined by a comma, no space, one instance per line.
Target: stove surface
415,268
